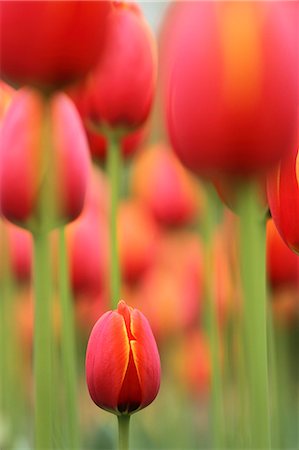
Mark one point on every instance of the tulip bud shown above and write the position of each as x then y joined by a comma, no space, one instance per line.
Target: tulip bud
283,198
119,92
48,44
42,145
122,361
225,91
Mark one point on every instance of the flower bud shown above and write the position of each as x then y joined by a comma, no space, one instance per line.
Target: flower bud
122,361
43,147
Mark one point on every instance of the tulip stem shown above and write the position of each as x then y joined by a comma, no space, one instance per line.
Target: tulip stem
68,345
123,431
212,325
253,272
42,343
114,172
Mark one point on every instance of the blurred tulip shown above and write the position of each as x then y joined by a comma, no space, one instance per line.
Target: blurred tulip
282,263
138,238
283,197
88,253
122,361
49,44
161,182
170,293
119,93
42,145
195,363
226,103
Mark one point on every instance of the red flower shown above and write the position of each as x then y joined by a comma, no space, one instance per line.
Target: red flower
120,91
122,361
230,107
24,169
48,44
283,198
161,182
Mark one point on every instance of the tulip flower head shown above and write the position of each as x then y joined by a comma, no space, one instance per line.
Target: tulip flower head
50,44
226,106
35,135
122,361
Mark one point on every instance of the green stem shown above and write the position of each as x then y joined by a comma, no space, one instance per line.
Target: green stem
252,245
123,431
42,343
68,346
212,325
114,172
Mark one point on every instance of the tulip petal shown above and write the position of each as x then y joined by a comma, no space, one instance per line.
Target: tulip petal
146,357
107,360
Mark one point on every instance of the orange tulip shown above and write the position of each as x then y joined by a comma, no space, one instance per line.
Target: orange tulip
122,361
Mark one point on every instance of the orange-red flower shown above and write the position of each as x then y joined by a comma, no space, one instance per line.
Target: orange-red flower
122,361
42,143
48,44
230,107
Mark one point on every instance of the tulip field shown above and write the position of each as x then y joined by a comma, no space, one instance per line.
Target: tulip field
149,231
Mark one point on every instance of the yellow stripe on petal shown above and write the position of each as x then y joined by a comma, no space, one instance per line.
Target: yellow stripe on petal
240,41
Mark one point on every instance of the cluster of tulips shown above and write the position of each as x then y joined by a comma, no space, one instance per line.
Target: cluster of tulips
126,227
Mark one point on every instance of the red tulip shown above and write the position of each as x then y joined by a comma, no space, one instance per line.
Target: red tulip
119,93
165,187
230,107
283,198
122,361
24,149
48,44
282,263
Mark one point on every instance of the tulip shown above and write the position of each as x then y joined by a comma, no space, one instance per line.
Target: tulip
49,44
122,362
32,157
282,263
168,190
283,198
119,92
138,237
225,93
